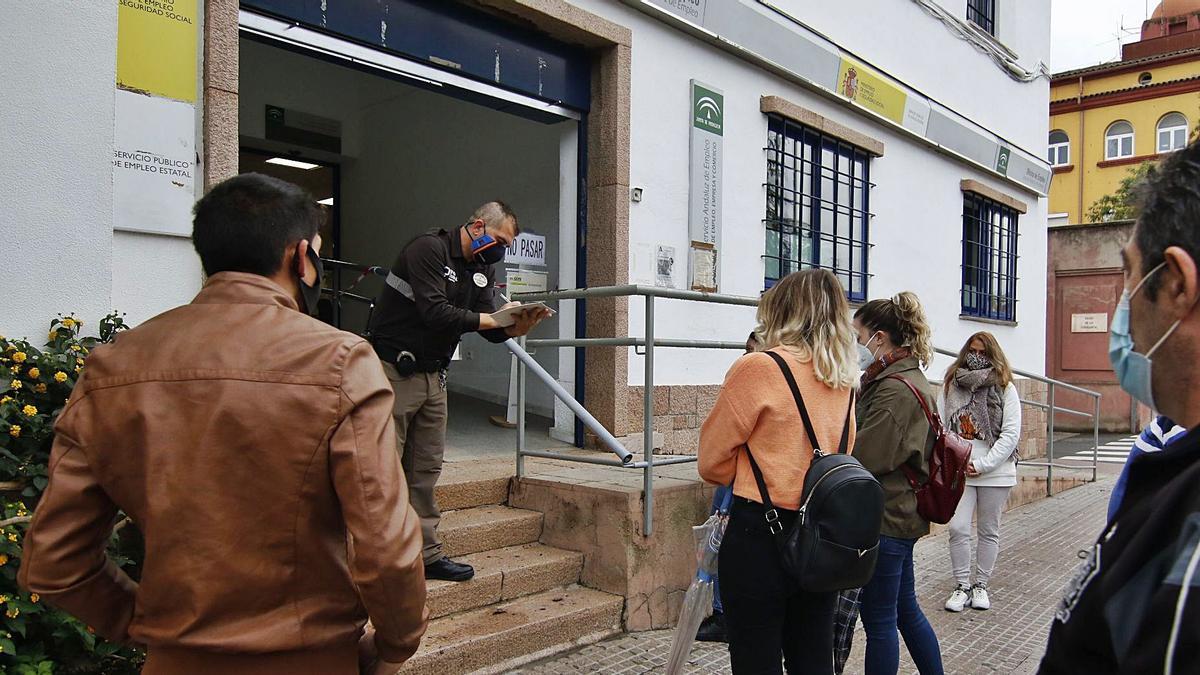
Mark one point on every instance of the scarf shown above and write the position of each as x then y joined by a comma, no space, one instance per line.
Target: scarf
975,404
880,364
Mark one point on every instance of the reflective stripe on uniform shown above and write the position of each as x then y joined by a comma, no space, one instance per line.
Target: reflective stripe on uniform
402,287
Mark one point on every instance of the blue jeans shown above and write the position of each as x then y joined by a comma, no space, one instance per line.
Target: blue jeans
889,601
718,497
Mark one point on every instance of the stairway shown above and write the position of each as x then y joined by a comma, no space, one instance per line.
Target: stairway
525,602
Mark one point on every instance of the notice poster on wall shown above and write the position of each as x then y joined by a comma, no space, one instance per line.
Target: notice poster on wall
154,165
527,249
707,158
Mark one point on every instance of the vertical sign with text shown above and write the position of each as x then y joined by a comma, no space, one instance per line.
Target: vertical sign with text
154,159
706,159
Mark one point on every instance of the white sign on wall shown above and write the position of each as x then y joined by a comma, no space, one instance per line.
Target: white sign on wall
154,165
524,281
706,182
527,249
1089,323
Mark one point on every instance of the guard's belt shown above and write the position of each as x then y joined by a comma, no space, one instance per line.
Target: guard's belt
407,363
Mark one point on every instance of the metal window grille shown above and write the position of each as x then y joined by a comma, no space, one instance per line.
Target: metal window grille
982,13
989,266
818,205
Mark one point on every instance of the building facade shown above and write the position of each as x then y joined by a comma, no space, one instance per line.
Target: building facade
1107,119
695,144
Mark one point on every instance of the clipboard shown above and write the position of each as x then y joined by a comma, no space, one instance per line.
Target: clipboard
507,317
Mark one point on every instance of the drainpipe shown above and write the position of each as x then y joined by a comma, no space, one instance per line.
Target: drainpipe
1082,144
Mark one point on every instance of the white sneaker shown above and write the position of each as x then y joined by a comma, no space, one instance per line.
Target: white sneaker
958,599
979,598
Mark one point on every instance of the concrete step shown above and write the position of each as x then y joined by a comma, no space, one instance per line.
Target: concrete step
467,484
505,574
504,636
486,528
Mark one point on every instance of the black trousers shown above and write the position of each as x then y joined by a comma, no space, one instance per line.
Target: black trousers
766,615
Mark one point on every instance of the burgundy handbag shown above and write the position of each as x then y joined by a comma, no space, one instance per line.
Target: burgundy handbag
938,497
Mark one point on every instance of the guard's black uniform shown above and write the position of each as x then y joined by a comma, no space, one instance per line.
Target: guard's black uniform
447,299
433,296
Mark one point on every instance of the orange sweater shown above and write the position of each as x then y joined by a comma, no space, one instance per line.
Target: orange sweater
756,407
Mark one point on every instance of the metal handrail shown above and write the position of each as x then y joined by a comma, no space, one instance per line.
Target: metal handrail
649,343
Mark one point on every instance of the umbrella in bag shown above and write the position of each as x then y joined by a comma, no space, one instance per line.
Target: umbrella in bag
697,602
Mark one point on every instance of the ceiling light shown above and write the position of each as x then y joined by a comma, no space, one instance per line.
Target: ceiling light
328,201
283,161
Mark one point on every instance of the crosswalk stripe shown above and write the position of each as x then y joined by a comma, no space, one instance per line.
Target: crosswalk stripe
1102,460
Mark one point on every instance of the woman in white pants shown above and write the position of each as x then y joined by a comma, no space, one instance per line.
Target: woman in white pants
980,402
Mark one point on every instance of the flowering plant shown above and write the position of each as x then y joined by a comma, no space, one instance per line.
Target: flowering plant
36,639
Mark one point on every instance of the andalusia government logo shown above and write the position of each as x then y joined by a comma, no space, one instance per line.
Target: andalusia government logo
707,109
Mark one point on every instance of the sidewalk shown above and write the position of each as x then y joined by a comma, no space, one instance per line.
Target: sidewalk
1039,548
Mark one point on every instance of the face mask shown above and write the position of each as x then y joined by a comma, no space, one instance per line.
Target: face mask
976,361
311,294
1132,368
865,356
485,249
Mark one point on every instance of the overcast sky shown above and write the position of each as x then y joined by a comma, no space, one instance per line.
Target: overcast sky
1088,32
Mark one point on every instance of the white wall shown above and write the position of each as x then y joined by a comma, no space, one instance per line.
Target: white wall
910,45
152,273
55,163
414,160
916,233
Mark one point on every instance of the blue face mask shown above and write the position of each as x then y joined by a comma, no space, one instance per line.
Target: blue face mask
1133,368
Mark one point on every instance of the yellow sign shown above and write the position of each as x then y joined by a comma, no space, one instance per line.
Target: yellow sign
156,47
866,88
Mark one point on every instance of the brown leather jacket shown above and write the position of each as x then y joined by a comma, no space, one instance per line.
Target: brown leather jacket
247,441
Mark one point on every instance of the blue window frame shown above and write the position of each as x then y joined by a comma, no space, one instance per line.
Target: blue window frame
989,263
818,205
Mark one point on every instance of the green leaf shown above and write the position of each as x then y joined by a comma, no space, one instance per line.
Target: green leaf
7,647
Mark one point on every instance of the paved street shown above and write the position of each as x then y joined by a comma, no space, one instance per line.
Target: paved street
1038,552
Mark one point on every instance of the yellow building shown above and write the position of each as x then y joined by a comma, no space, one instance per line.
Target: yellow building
1107,119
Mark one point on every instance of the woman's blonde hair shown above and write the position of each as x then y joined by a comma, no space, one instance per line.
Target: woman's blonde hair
991,349
903,319
806,312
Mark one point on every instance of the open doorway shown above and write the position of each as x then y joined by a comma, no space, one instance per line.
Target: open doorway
392,159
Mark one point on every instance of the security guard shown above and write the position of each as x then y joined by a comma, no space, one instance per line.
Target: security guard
441,286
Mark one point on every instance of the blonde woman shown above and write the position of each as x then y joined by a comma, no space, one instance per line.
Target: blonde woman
980,402
804,319
895,341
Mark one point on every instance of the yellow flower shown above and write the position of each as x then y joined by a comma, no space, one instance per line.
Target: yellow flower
40,388
4,561
34,597
69,322
53,335
74,348
4,400
14,431
34,373
12,538
3,599
79,361
12,613
29,411
60,377
78,369
15,384
20,357
15,370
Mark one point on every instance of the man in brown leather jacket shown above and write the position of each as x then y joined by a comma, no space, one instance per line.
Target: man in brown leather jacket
253,447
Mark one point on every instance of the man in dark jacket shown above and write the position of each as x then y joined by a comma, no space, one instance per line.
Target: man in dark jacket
441,286
1133,606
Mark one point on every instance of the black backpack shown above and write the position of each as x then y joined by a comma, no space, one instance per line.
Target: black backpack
834,542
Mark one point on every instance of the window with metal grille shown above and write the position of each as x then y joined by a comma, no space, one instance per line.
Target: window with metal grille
818,205
982,13
989,267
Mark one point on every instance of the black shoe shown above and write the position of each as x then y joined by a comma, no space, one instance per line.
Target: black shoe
712,629
448,570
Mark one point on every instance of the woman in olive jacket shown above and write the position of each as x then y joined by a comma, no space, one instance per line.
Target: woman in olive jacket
893,432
